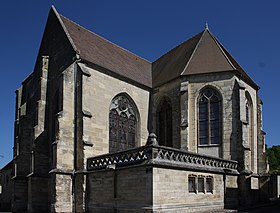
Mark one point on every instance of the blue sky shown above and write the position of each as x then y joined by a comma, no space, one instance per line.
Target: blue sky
248,29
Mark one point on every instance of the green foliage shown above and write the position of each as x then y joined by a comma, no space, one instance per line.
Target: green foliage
273,155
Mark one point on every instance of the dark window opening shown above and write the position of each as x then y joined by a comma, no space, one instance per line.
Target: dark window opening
209,185
192,185
200,184
165,124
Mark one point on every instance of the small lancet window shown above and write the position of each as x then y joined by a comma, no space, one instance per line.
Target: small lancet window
248,111
122,124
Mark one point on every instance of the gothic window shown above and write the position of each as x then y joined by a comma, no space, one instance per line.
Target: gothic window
164,123
122,124
249,128
248,104
209,117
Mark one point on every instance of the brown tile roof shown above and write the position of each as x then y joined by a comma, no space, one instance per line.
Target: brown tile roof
171,65
99,51
199,55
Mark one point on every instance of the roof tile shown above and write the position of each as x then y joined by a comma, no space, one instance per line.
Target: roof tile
99,51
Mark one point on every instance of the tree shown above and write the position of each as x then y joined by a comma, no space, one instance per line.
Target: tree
273,155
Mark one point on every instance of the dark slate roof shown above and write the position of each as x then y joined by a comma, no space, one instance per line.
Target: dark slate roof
99,51
199,55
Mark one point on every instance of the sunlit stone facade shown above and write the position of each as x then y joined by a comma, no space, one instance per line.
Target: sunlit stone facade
99,129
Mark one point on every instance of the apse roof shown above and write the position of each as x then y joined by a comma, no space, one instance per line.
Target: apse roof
201,54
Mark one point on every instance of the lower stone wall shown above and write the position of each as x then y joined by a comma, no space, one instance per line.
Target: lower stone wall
123,190
231,191
172,193
38,195
61,200
151,189
20,198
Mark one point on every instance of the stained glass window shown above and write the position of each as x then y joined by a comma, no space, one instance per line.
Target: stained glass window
122,124
209,114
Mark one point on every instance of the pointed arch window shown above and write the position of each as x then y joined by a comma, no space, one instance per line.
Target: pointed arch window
122,124
164,123
209,117
249,129
248,111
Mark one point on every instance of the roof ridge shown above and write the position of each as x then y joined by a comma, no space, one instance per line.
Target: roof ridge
64,28
229,59
220,47
194,50
105,39
177,46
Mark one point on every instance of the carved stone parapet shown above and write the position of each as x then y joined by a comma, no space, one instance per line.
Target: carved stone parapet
153,154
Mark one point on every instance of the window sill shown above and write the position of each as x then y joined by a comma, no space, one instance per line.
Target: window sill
210,145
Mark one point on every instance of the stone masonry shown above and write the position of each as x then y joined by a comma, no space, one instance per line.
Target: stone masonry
67,121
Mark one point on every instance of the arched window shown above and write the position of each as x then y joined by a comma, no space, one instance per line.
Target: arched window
209,117
122,124
164,123
249,129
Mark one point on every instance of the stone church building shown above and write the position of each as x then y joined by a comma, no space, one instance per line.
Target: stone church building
100,129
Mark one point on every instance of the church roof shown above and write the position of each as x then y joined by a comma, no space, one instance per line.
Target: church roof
201,54
99,51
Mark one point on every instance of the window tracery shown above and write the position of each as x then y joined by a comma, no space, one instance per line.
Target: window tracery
122,124
209,117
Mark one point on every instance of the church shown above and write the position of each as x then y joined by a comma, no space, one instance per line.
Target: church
100,129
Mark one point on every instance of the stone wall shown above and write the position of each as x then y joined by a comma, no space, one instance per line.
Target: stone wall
171,193
186,90
170,90
274,186
224,84
98,90
150,189
122,190
6,187
231,191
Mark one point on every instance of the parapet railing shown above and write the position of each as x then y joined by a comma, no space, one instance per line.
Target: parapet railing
154,154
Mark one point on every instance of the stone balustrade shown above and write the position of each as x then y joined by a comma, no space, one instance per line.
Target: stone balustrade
160,155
